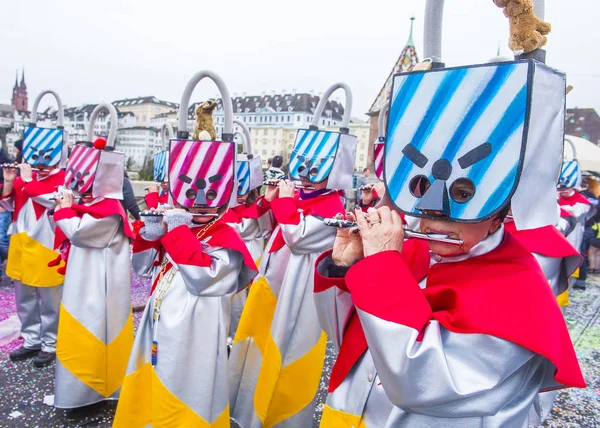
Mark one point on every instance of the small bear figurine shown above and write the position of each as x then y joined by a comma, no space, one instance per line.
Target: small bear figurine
527,31
204,120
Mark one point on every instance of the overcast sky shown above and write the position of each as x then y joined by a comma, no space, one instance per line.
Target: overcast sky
106,50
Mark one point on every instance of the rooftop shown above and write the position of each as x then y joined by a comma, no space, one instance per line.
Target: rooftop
128,102
277,103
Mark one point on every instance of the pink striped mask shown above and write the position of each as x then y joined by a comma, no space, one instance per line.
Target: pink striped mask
201,173
81,168
378,156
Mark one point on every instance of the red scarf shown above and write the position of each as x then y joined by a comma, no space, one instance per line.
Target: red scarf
547,241
24,191
475,296
240,212
223,236
325,206
575,198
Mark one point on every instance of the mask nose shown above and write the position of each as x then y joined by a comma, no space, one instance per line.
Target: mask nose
435,198
200,198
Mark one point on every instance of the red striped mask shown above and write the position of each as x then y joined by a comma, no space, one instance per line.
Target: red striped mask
81,168
201,173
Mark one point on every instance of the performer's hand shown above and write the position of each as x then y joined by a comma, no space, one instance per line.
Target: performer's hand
381,230
153,188
176,217
379,188
66,201
348,246
286,189
272,192
26,172
9,174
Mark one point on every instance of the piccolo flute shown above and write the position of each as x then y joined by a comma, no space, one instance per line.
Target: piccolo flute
13,166
148,213
334,222
298,186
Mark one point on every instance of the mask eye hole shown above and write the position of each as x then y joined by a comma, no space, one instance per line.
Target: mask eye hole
462,190
301,168
191,194
81,183
35,157
211,195
47,158
314,171
418,186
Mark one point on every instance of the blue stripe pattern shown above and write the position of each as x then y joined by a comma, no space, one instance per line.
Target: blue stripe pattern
43,146
495,114
318,149
160,166
243,178
441,99
569,174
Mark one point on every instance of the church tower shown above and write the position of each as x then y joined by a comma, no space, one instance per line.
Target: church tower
19,97
406,61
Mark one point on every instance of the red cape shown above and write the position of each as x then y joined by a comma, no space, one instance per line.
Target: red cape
475,296
547,241
24,191
240,212
575,198
102,209
287,211
223,236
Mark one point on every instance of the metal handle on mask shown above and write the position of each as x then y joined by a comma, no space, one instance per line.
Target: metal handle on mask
246,140
347,224
323,102
432,32
112,132
573,148
182,132
166,131
61,112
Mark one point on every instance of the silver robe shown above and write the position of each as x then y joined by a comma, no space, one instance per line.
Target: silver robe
188,385
253,232
435,382
277,357
95,332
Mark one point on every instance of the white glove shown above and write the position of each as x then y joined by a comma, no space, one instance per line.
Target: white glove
177,217
153,229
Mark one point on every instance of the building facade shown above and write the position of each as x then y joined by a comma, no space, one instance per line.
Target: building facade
145,108
139,144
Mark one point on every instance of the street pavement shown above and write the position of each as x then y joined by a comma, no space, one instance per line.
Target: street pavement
23,388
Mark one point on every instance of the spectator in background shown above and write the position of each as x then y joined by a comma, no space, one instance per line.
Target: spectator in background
18,149
129,203
274,172
363,179
5,216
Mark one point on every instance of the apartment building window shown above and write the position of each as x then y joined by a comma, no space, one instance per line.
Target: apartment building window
272,152
264,152
362,158
298,118
288,119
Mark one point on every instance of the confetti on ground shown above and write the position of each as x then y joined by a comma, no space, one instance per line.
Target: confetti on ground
26,390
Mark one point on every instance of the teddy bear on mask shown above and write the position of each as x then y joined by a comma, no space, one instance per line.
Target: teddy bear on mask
204,120
527,31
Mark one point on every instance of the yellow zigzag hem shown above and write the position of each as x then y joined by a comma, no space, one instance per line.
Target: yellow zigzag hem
101,367
28,262
146,401
333,418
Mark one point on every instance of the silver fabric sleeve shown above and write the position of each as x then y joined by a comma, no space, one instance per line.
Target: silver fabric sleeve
450,374
45,201
90,232
142,262
310,236
334,309
219,279
248,228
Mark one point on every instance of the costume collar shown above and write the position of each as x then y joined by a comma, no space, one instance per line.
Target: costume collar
53,172
491,242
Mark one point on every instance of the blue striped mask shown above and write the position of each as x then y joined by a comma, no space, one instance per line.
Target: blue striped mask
570,174
243,178
161,160
43,146
456,139
313,155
